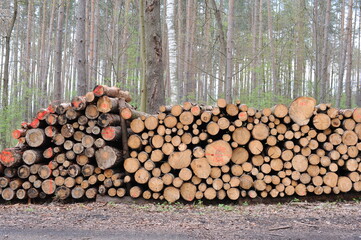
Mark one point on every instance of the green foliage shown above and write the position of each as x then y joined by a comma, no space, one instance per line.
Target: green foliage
226,207
10,119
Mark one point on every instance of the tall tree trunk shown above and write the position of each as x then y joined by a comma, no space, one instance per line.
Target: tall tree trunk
358,79
222,44
342,57
172,45
5,92
300,45
58,86
91,44
80,47
349,55
143,57
324,63
124,44
273,56
255,26
188,46
154,73
65,67
27,62
48,42
229,51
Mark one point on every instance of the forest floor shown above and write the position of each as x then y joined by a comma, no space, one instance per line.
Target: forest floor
109,220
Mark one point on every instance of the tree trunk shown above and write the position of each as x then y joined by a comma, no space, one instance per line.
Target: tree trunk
172,45
324,63
143,57
80,47
229,64
124,44
273,56
300,45
58,89
254,65
342,57
349,55
7,57
222,43
27,63
154,73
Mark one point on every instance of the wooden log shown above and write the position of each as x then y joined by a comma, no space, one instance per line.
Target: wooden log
279,110
77,192
101,90
255,147
62,192
67,131
155,184
131,165
108,119
171,194
349,138
111,133
107,104
201,168
91,112
23,171
108,157
48,186
11,157
18,133
91,193
8,194
188,191
344,184
241,136
218,153
131,114
35,137
301,110
179,160
135,192
260,131
79,103
321,121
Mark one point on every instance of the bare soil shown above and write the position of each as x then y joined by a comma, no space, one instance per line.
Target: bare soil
292,220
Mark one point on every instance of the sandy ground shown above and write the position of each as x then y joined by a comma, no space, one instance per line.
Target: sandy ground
294,220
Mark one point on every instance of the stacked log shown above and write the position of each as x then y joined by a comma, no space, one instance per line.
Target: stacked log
99,144
233,151
71,150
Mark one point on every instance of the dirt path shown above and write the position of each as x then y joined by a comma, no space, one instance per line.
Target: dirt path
320,220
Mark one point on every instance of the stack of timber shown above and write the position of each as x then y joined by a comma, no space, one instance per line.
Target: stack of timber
71,150
232,151
100,145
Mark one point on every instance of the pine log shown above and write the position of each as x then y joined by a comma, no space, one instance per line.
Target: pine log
301,110
108,119
79,103
108,157
218,153
179,160
201,168
11,157
171,194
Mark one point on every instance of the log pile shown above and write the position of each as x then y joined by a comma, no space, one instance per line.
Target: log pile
71,150
234,151
99,144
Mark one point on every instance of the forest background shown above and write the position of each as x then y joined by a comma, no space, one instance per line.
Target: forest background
261,52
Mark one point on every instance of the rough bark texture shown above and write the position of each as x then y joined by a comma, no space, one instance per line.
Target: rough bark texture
153,39
80,59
